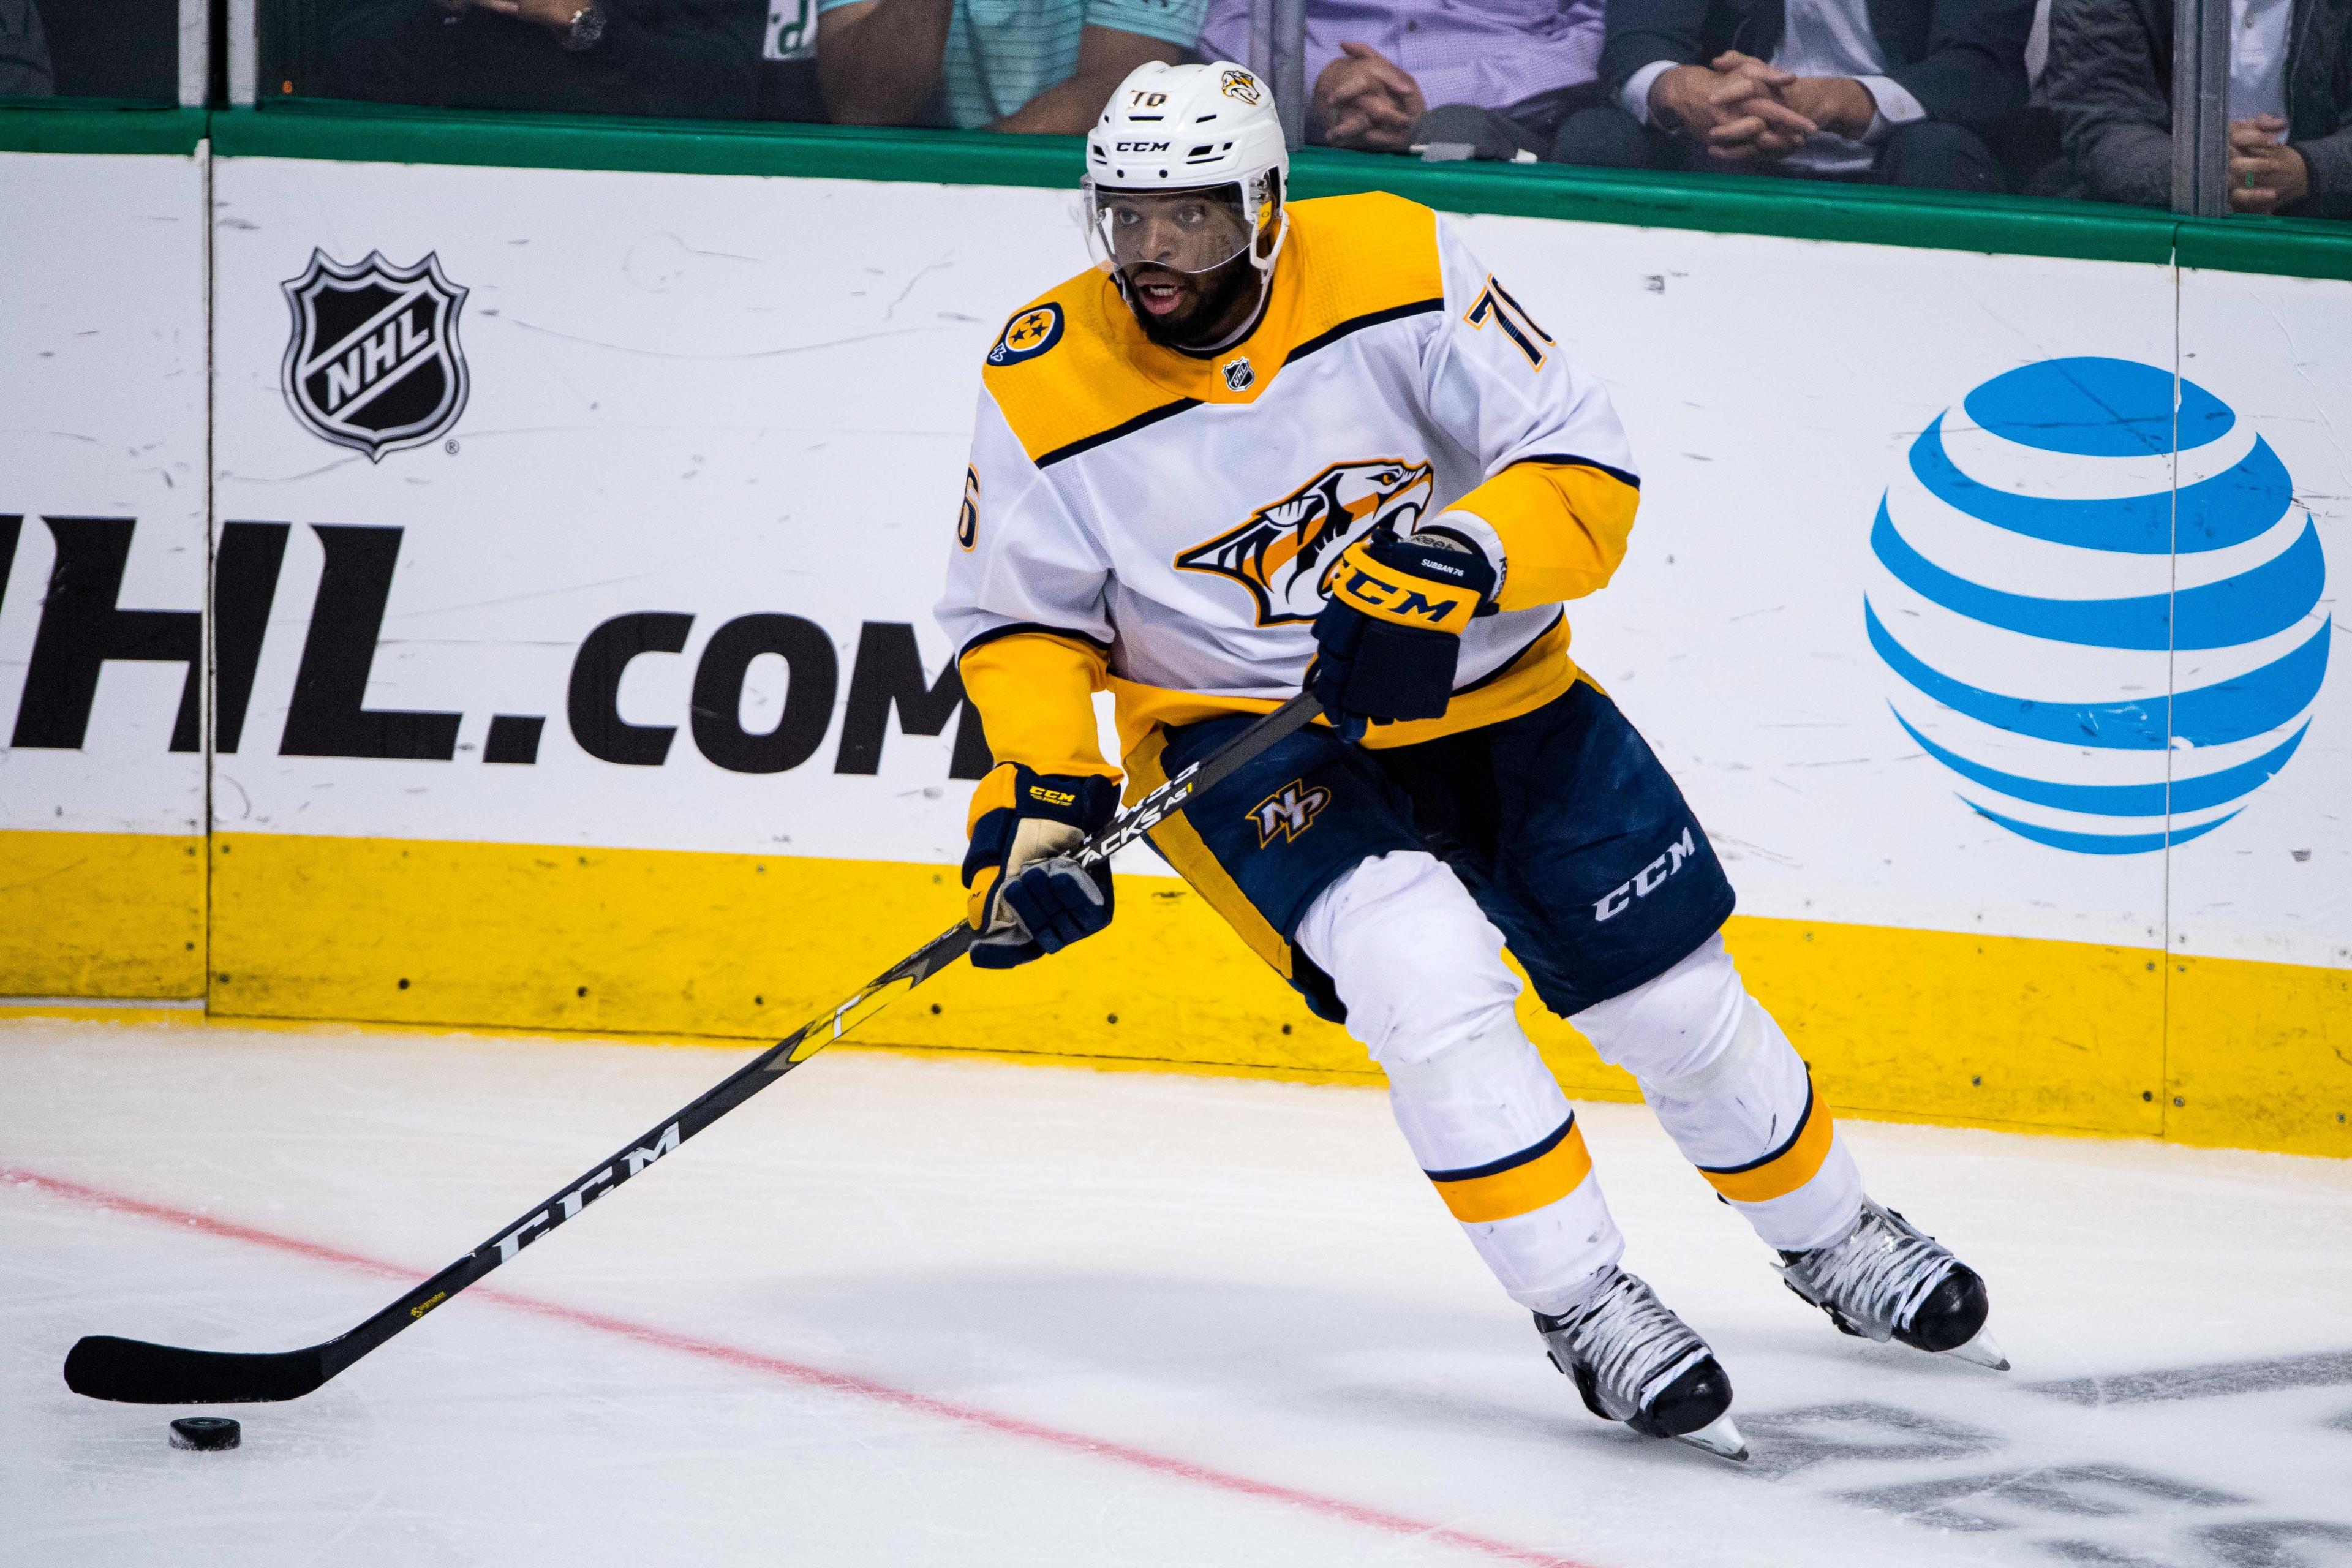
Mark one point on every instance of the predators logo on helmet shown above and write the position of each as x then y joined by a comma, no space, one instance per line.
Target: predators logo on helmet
1281,553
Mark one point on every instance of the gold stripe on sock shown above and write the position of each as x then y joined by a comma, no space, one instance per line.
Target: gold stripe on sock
1518,1183
1786,1168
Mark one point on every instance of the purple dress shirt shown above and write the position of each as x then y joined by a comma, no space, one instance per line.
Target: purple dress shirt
1489,53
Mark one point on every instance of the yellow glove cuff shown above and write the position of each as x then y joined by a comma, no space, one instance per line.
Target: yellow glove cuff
1403,598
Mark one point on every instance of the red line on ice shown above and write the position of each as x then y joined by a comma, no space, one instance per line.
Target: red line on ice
817,1378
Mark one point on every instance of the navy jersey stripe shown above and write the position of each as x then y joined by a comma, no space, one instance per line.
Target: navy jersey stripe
1571,460
1019,627
1394,313
1149,417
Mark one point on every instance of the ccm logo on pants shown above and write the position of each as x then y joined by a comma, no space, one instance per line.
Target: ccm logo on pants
1647,880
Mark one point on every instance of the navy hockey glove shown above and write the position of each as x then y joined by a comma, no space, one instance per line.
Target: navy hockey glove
1390,627
1027,897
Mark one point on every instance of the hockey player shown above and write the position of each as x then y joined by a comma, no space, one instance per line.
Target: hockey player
1265,443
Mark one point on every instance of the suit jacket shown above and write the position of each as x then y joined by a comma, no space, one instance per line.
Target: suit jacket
23,53
2110,80
1964,60
695,58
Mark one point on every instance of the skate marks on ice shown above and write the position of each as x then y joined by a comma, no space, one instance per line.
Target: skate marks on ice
1949,1475
2327,1370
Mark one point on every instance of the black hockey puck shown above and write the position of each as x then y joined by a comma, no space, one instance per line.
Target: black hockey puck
206,1433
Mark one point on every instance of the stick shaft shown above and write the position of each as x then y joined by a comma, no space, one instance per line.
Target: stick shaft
108,1368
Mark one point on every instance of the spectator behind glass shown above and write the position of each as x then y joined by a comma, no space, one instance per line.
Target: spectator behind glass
690,58
1899,92
1043,66
2110,79
24,52
1501,75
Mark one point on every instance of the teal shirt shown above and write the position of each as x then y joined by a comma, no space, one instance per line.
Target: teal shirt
1003,53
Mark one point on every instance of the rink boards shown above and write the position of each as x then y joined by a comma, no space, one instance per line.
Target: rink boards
572,665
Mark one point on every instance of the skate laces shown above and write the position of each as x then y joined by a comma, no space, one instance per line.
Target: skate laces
1877,1275
1632,1343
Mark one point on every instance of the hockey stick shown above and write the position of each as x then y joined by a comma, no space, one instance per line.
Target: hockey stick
137,1373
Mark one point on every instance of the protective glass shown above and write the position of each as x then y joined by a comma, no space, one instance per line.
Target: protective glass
1185,231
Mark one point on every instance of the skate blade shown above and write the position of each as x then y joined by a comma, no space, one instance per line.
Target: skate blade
1981,1352
1718,1437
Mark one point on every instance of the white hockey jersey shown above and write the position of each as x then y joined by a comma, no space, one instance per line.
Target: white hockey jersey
1160,522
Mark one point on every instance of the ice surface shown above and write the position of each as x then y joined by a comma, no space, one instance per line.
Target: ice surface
914,1310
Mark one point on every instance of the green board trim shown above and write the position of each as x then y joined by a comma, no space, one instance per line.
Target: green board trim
2279,248
1719,203
348,132
97,125
1739,204
1722,204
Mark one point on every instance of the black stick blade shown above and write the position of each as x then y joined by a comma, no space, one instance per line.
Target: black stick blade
137,1373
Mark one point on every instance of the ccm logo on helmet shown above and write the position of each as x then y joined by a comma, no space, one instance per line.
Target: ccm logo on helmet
1143,146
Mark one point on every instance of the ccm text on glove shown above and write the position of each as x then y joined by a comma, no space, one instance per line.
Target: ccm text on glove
1026,896
1390,632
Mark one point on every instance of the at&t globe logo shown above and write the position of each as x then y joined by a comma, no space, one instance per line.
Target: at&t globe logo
2105,663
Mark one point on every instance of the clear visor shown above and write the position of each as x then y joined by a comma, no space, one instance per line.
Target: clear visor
1185,231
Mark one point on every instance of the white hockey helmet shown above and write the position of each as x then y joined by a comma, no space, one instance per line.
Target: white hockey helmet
1209,131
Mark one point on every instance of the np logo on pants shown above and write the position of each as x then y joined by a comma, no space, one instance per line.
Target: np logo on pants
1646,880
1288,811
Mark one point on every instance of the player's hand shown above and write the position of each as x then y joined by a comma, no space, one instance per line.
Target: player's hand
1027,897
1390,632
1364,99
2265,173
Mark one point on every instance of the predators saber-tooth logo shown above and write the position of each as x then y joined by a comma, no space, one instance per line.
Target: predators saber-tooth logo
1283,551
374,363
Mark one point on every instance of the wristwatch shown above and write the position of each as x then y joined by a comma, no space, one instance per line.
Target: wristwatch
587,28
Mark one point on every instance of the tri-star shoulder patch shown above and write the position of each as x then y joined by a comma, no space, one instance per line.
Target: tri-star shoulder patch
1028,335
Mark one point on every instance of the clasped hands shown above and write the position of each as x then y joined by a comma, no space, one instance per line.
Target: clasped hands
2265,173
1745,111
1365,99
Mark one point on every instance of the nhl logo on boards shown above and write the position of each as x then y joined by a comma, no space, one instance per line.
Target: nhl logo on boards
374,363
1239,374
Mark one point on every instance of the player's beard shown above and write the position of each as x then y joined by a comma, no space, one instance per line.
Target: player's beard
1214,304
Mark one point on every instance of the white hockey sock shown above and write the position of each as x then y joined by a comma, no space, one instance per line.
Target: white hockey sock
1421,969
1497,1138
1733,1094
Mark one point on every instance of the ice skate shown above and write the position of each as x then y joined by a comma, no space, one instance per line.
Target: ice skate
1886,1280
1633,1360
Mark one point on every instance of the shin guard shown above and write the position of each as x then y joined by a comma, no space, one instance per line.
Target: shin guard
1497,1140
1732,1092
